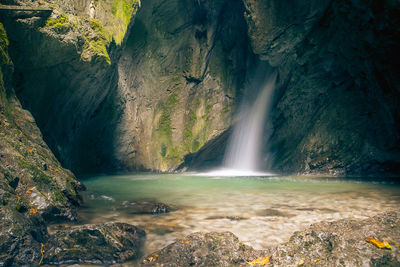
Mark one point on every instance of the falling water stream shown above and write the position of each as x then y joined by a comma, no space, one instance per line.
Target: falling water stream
243,152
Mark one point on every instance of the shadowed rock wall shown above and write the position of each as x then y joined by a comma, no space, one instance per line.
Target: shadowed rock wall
337,101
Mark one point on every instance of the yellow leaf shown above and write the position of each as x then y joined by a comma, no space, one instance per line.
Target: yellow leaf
378,243
152,258
32,211
30,150
186,242
317,260
259,261
301,263
41,252
18,200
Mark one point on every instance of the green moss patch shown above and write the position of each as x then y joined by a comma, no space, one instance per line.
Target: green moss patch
3,37
60,24
164,124
122,11
97,44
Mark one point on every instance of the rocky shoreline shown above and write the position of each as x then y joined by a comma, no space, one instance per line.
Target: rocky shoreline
339,243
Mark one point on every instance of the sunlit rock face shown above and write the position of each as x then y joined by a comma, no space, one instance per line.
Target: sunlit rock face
179,74
336,105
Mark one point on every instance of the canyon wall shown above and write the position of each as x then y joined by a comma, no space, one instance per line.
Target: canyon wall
122,85
179,74
66,75
34,188
337,104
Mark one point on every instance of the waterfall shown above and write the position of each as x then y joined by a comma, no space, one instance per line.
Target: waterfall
244,146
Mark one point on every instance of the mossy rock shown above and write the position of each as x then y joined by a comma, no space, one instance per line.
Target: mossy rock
60,24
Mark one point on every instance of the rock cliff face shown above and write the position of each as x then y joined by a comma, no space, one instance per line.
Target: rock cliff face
336,107
336,104
34,188
182,66
65,74
139,103
111,90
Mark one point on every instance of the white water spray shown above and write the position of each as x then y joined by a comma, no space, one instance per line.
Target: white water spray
242,157
244,147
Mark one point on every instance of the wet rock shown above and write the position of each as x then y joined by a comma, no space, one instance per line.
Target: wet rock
273,213
342,243
146,206
324,210
162,228
338,243
200,249
97,244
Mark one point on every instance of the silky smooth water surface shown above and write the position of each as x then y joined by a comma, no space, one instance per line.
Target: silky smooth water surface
261,211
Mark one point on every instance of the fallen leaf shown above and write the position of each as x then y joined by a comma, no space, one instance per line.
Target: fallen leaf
259,261
301,263
378,243
30,150
317,260
152,258
186,242
32,211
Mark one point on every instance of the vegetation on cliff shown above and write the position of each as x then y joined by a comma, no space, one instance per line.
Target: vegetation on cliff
107,22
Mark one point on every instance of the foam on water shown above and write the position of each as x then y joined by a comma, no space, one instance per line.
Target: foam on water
223,172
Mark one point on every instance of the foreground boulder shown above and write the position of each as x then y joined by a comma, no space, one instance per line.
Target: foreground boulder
96,244
200,249
343,243
340,243
145,206
21,233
